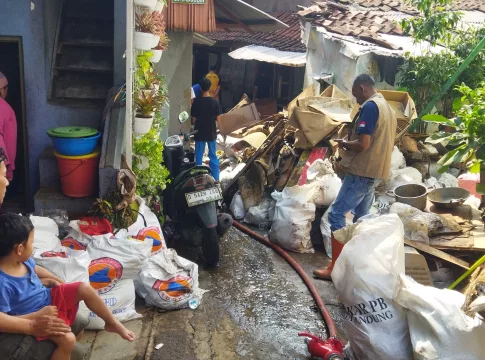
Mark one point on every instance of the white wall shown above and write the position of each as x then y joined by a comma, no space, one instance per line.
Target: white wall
326,56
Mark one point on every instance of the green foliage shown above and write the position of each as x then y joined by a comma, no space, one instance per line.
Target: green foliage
435,23
424,75
151,175
468,139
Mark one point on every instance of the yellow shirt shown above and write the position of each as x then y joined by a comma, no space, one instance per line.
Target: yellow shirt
214,79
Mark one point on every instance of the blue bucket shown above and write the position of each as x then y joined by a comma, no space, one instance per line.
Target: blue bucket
75,146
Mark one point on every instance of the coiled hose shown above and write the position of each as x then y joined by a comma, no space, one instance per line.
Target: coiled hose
330,324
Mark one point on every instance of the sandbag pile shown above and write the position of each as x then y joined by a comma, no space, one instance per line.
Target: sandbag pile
111,260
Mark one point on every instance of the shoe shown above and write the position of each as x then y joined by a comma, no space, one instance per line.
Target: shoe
325,273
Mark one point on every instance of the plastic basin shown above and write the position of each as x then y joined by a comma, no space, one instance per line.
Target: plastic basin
75,146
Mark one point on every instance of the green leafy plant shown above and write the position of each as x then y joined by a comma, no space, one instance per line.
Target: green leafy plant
435,23
152,175
467,141
106,207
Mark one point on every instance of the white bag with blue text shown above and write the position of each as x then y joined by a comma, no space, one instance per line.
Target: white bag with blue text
366,275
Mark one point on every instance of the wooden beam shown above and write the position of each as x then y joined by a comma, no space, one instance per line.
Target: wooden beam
438,253
233,18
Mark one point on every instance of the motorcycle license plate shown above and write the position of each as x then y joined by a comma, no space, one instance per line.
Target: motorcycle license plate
202,197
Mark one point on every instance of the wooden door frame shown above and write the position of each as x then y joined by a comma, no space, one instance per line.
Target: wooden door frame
29,200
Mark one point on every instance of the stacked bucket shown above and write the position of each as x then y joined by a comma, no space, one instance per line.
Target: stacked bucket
77,159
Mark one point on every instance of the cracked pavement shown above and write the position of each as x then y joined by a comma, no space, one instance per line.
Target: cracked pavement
255,307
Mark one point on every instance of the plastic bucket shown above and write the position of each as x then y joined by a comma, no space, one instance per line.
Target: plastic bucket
79,174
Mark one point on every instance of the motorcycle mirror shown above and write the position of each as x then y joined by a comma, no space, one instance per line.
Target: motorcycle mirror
183,117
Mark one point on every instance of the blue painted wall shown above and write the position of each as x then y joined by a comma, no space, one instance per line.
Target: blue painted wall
26,18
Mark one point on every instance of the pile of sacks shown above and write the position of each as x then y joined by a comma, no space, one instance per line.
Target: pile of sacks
389,315
117,265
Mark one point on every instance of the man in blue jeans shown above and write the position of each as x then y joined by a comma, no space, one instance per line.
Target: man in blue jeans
366,157
205,113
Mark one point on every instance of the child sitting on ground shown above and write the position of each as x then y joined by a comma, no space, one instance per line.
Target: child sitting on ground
22,293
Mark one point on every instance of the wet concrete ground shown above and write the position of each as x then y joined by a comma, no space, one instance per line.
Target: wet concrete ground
255,307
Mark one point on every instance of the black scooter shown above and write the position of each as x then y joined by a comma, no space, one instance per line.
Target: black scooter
191,200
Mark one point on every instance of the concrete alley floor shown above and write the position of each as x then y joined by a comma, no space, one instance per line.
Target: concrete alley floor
255,307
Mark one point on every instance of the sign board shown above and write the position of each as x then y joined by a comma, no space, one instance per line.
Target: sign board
193,2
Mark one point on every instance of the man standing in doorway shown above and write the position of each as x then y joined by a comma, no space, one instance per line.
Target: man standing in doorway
205,113
215,82
366,157
8,128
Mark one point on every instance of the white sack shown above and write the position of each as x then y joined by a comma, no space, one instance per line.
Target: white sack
327,232
76,239
292,222
121,302
449,180
365,276
321,172
261,214
122,258
397,160
408,175
418,225
67,264
46,233
439,328
237,207
169,281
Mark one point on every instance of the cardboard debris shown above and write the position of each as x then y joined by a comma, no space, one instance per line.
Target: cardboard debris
333,91
238,118
309,91
313,127
417,267
266,108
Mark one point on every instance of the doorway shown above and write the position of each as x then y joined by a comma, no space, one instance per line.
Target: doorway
18,197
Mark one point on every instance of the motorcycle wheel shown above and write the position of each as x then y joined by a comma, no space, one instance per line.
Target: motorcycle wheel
210,247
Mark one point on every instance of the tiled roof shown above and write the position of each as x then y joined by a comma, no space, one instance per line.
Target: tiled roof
339,18
468,5
288,39
365,19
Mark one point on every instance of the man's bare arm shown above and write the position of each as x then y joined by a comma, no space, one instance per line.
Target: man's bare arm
46,274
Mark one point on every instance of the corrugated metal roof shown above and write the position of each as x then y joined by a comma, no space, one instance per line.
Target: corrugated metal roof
254,18
288,39
270,55
191,18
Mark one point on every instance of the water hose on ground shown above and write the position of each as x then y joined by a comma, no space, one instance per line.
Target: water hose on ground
332,330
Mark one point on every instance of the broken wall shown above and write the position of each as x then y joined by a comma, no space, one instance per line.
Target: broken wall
331,56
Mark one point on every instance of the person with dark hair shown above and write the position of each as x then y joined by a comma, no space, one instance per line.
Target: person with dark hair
365,158
213,76
205,113
8,128
24,296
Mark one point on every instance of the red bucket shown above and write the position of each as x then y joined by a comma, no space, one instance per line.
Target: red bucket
79,174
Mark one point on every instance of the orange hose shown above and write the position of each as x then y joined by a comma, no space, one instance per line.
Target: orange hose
332,330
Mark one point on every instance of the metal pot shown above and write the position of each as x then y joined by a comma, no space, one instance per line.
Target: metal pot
411,194
448,197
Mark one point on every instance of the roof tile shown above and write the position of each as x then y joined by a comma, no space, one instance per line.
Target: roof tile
288,39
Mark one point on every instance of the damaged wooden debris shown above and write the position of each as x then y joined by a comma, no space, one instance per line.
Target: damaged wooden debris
272,153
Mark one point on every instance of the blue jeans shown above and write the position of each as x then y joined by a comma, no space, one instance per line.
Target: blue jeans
214,161
356,195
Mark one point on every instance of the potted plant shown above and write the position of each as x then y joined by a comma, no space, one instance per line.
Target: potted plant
151,4
159,6
160,48
146,105
147,25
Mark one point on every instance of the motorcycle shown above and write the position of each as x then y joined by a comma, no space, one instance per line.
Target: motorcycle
191,199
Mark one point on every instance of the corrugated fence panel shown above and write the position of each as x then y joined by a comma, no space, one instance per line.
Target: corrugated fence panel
191,18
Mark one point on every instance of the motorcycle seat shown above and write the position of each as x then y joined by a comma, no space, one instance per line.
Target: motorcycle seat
185,175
